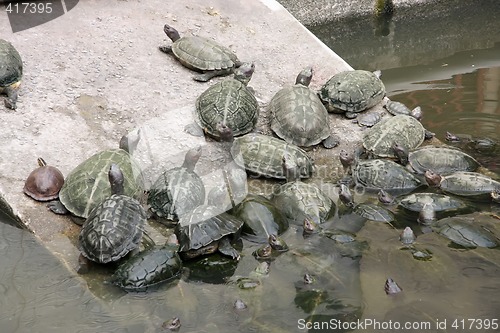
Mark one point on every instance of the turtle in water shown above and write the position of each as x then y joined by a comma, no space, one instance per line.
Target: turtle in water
230,103
272,249
115,226
300,200
205,230
44,183
416,202
11,72
480,144
495,195
262,155
351,92
178,190
298,116
463,183
367,210
87,185
200,54
465,232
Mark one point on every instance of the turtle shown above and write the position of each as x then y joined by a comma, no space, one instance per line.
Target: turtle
200,54
229,102
395,108
87,185
367,210
178,190
299,200
351,92
171,325
11,72
463,183
272,249
298,116
407,236
465,233
391,287
148,268
416,202
262,156
261,218
482,144
205,230
404,130
115,226
44,183
368,119
441,160
495,195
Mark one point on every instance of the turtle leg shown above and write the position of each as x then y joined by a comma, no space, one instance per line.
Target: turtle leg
57,207
165,49
210,74
227,249
10,101
331,142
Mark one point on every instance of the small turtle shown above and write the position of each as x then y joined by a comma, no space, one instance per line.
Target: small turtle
177,191
351,92
463,183
298,116
200,54
115,226
483,145
391,287
368,119
11,72
230,103
465,233
395,108
44,183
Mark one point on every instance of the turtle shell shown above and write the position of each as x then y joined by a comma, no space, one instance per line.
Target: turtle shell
11,65
441,160
44,183
373,212
395,108
112,229
438,202
229,102
298,116
404,130
203,226
464,233
88,184
298,200
203,54
369,119
262,155
148,268
384,174
468,184
352,91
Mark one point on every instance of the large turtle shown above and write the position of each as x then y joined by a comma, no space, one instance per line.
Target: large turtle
44,183
229,103
463,183
11,72
441,160
404,130
298,116
416,202
466,232
115,226
200,54
352,92
178,190
205,230
262,155
87,185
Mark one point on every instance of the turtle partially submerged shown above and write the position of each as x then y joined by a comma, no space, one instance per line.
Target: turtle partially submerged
115,226
298,116
200,54
87,185
229,103
351,92
465,232
463,183
44,183
178,190
205,230
416,202
441,160
367,210
11,72
262,155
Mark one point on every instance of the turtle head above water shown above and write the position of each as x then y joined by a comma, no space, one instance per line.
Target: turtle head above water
432,178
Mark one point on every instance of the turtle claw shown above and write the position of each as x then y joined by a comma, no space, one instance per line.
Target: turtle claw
227,249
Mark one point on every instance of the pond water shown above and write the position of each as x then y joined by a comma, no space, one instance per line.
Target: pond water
457,290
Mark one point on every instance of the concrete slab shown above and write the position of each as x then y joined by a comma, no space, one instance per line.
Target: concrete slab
96,72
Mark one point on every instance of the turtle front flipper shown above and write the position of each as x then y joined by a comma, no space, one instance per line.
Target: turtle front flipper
11,100
208,75
227,249
165,49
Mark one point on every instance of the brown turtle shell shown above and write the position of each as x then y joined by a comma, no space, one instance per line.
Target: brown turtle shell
44,183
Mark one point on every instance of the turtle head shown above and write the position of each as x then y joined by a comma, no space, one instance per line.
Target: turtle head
401,153
225,132
345,196
305,76
346,159
290,167
244,72
129,141
432,178
116,179
384,197
171,32
495,195
192,157
310,227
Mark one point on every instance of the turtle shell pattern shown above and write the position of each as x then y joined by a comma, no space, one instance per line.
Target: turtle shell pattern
228,102
468,184
113,229
298,116
439,202
352,91
384,174
203,54
466,234
262,155
203,226
373,212
405,130
11,65
88,184
441,160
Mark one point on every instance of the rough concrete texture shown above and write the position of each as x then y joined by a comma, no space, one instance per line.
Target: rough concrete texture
96,73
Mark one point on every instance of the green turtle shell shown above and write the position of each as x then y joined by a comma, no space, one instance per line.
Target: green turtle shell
441,160
11,65
468,184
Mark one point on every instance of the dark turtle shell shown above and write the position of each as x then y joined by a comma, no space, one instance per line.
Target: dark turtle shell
435,201
465,233
112,229
262,155
148,268
373,212
44,183
464,183
441,160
